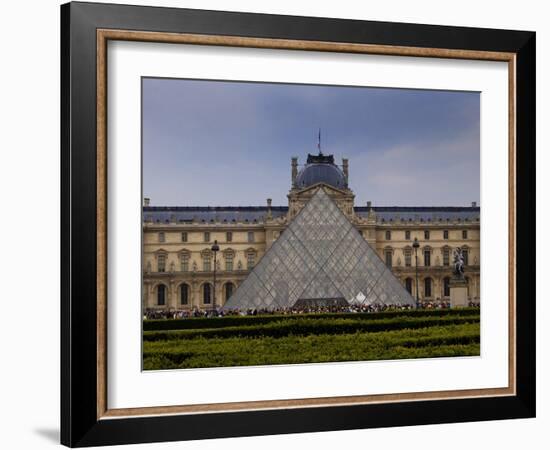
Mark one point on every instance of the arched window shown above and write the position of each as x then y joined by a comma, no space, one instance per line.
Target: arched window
161,295
428,287
229,288
446,287
206,293
409,285
184,294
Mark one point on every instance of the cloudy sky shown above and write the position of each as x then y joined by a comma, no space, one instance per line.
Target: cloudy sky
229,143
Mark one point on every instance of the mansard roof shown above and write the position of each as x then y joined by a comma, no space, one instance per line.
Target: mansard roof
254,214
421,213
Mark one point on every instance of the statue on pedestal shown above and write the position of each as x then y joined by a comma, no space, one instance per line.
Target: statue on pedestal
458,264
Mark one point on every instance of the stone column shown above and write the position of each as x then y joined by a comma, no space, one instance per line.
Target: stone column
269,216
194,301
173,301
146,288
345,169
294,174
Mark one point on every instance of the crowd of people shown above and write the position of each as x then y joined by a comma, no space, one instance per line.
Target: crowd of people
373,308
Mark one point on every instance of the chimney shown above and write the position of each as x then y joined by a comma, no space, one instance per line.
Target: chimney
269,208
294,165
345,168
474,204
146,201
369,205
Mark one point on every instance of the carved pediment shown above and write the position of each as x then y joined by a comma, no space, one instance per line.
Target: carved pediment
310,190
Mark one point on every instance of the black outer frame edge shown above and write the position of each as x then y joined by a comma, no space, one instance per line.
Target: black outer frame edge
65,333
301,420
526,223
79,426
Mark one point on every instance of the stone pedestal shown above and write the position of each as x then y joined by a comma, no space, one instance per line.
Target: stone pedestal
459,293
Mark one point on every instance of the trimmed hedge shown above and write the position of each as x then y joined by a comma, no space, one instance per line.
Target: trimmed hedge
304,327
234,321
437,341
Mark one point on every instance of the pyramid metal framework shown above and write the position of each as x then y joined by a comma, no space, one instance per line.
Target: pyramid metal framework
319,259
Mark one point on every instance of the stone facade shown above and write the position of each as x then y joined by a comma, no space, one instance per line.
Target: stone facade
178,263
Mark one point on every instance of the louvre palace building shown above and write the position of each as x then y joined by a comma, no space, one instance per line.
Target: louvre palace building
321,245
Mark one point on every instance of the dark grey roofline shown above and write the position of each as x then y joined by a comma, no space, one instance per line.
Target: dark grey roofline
285,208
212,208
418,208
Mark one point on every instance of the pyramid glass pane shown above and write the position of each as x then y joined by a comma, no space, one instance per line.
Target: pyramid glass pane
318,259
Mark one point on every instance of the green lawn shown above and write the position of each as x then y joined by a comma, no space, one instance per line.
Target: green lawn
266,340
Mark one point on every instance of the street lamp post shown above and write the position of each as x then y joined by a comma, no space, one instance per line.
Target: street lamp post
416,244
215,248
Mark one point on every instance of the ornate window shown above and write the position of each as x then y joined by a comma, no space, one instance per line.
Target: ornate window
446,256
388,235
161,262
229,288
207,293
388,254
445,234
250,259
408,235
427,257
408,256
206,260
465,255
184,294
184,236
229,261
409,285
206,236
184,261
251,236
446,287
428,287
162,237
161,295
426,234
229,236
464,234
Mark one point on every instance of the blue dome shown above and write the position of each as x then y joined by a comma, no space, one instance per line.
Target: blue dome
321,173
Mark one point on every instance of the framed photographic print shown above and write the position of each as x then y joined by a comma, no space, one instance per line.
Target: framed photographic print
289,224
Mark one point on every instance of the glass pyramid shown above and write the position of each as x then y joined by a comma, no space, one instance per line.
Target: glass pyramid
320,259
